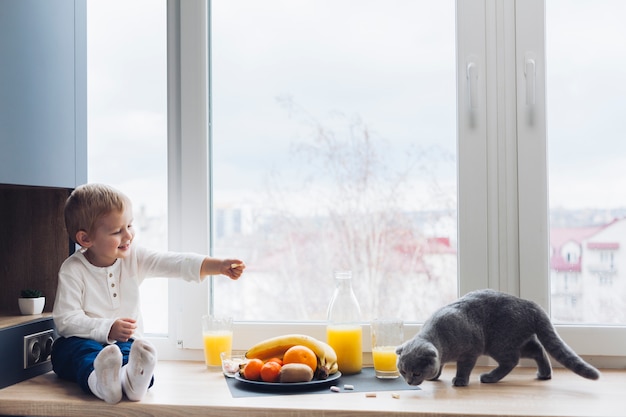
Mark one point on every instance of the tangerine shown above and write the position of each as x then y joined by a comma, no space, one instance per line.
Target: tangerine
301,354
252,370
277,360
270,371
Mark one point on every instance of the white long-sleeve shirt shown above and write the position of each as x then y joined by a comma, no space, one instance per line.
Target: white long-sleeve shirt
89,298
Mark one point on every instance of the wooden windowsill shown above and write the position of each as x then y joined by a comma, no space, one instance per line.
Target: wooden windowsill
15,320
188,389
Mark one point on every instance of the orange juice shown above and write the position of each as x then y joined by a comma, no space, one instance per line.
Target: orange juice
385,358
215,343
347,342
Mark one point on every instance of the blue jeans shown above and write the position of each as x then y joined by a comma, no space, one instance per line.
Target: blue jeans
72,358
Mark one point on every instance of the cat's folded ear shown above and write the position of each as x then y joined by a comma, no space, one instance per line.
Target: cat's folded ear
399,349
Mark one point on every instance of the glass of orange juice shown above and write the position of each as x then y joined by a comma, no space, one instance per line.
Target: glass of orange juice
217,335
387,334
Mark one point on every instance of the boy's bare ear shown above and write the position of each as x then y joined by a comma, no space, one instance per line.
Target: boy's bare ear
82,238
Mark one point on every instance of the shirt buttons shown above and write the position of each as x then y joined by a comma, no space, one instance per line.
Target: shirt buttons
113,285
114,294
110,275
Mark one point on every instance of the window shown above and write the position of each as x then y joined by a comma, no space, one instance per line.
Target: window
127,123
585,95
488,157
334,147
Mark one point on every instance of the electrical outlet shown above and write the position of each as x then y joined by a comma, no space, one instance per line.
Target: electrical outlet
37,348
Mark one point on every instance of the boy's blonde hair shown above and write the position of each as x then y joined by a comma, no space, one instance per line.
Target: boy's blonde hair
90,202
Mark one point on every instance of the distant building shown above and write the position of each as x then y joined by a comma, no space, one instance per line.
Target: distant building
584,267
231,220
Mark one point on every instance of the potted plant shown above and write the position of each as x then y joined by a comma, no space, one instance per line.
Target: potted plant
31,302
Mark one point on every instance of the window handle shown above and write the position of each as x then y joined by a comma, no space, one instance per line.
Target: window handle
530,73
472,85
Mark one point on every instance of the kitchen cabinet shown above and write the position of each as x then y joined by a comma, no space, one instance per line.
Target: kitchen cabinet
43,93
43,139
43,156
25,347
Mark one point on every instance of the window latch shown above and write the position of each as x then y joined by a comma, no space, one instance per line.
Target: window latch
472,85
530,73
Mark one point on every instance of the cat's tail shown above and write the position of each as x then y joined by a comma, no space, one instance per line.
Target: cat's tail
561,352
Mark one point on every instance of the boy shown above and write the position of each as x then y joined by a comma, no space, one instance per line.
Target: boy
97,311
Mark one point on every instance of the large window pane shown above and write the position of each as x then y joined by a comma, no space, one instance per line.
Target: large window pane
334,147
586,95
127,122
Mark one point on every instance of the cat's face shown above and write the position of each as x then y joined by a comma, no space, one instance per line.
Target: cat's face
418,360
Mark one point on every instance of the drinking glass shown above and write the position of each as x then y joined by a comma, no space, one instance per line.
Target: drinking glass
387,334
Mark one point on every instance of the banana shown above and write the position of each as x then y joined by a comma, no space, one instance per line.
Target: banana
277,346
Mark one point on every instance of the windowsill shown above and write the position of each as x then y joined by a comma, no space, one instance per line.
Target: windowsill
188,389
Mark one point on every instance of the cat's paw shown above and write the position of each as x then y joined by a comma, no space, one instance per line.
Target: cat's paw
543,377
489,378
459,382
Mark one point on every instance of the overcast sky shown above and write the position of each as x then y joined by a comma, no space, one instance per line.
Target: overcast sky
586,94
392,69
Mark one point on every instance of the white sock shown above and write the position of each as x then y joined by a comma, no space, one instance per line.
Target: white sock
104,381
137,374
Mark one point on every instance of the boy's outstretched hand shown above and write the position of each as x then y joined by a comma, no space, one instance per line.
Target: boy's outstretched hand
232,268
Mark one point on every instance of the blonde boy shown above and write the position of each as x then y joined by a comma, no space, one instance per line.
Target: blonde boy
97,310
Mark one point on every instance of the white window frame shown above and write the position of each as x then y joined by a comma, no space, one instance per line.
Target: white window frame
188,170
604,346
502,171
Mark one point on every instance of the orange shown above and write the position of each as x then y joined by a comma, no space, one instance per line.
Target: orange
270,372
252,370
301,354
277,360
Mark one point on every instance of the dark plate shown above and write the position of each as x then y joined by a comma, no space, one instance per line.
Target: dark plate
285,387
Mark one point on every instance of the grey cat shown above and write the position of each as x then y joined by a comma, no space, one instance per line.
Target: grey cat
492,323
